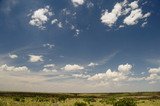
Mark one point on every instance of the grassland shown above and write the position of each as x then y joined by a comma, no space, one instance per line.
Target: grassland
75,99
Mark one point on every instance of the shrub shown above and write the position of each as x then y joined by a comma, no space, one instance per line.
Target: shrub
62,98
19,99
89,100
80,104
125,102
110,100
40,99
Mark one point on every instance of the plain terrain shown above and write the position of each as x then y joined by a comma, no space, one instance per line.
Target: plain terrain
70,99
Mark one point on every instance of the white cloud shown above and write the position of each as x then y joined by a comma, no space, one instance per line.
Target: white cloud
122,9
144,24
54,21
109,75
109,18
80,76
154,75
50,46
154,71
92,64
78,2
125,68
40,17
35,58
49,68
73,67
58,23
134,4
135,16
13,56
136,78
6,68
49,65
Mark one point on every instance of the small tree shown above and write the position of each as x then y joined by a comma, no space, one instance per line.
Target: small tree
110,100
80,104
125,102
62,98
89,100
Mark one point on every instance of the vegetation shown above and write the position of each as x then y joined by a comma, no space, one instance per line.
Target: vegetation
108,99
80,104
125,102
89,100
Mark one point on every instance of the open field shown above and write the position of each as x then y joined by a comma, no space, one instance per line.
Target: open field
78,99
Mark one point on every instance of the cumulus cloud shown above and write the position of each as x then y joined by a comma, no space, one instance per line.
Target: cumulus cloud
109,75
40,17
109,18
49,68
92,64
50,46
135,16
73,67
77,2
6,68
13,56
35,58
125,68
80,76
134,4
154,74
123,9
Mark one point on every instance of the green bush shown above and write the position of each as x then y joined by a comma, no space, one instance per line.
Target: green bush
89,100
19,99
40,99
80,104
110,100
62,98
125,102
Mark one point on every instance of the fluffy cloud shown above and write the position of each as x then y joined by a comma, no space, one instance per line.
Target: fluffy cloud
35,58
135,16
125,68
154,74
77,2
6,68
13,56
109,18
50,46
123,9
80,76
49,68
134,5
109,75
40,17
73,67
92,64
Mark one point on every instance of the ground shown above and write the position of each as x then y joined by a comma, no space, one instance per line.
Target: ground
70,99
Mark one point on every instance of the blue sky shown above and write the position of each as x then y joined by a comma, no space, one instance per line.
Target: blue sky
56,46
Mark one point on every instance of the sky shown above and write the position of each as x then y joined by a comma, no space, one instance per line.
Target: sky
79,45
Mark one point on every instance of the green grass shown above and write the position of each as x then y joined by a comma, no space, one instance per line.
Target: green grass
104,99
